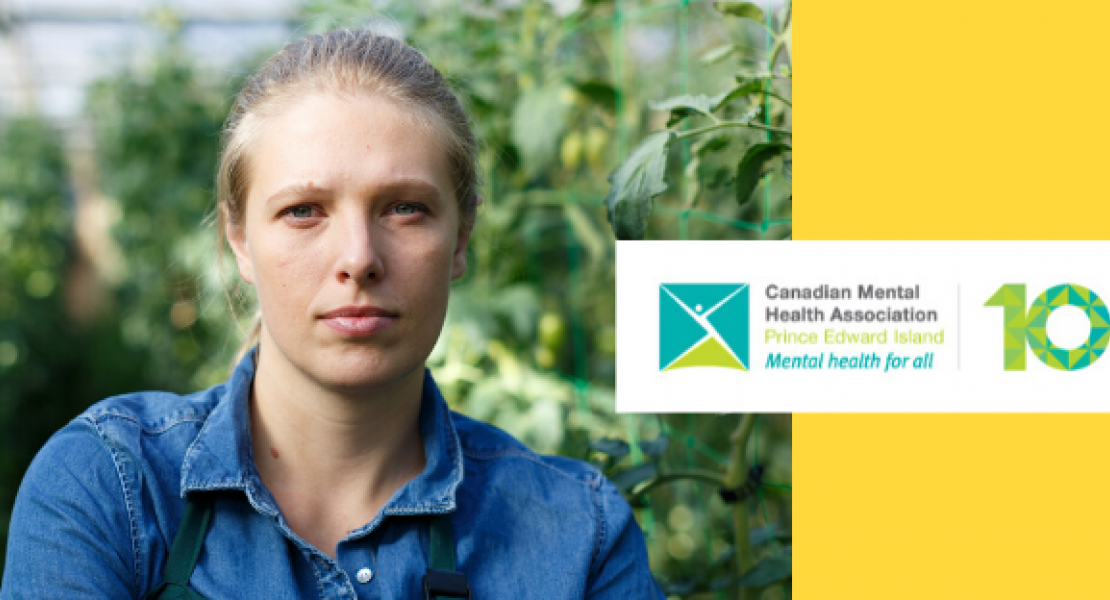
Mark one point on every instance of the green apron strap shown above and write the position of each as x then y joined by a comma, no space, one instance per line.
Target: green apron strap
184,552
441,580
442,544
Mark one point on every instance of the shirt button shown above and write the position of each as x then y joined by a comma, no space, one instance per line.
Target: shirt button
364,575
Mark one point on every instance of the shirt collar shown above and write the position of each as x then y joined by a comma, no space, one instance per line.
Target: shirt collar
221,456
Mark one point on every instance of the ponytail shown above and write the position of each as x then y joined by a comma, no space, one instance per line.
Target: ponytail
254,335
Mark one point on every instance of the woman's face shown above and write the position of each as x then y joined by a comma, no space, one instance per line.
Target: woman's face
351,238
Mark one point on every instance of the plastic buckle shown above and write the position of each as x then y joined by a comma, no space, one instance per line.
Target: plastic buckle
445,584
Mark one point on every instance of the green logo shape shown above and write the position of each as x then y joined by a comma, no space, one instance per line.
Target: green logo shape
703,325
1024,330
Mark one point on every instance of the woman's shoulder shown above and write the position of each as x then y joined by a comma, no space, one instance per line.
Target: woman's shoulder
89,498
125,423
146,432
153,412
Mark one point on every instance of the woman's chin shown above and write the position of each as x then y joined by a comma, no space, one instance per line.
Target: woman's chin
351,368
354,373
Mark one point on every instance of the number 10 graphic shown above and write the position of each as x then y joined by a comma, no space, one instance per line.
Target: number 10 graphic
1023,328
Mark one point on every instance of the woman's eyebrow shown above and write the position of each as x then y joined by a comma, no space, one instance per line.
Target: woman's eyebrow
408,184
300,189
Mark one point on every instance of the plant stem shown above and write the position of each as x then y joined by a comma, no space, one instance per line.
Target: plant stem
725,124
775,96
736,474
709,477
779,41
775,50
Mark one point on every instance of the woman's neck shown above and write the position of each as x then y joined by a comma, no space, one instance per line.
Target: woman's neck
332,459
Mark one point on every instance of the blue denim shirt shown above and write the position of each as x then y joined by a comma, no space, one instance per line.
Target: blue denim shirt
100,504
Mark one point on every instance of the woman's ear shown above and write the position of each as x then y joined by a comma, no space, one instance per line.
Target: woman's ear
237,238
458,262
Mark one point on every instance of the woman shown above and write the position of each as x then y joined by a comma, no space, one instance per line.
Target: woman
328,465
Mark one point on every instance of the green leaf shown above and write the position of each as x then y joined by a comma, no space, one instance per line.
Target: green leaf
720,177
746,10
718,54
635,182
709,144
746,88
599,92
700,148
628,479
655,447
539,120
762,535
611,447
686,105
692,185
750,169
767,571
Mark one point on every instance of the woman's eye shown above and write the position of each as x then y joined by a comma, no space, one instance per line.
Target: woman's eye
407,208
301,212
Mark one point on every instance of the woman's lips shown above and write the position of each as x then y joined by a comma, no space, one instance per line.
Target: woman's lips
359,320
359,325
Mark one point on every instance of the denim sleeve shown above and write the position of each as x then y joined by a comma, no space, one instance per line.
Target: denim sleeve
70,534
620,568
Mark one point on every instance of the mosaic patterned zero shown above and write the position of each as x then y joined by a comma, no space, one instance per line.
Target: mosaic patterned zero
703,325
1030,328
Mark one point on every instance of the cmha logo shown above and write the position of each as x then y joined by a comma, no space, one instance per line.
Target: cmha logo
703,325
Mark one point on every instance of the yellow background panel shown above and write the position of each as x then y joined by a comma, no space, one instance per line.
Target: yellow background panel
950,507
952,120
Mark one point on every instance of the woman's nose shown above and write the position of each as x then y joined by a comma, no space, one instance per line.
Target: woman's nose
360,259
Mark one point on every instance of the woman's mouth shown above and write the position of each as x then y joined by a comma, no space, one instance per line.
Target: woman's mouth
359,320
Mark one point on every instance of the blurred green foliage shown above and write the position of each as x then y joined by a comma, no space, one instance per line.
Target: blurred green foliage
750,118
51,366
156,132
34,222
558,97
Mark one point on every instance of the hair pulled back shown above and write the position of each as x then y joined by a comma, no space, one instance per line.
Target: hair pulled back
342,62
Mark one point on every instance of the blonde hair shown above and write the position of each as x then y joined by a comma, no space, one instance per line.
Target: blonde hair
344,62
